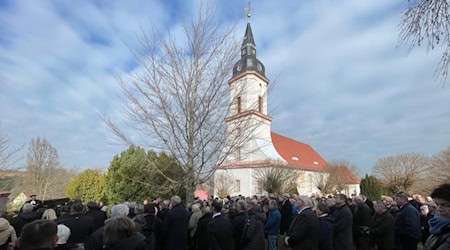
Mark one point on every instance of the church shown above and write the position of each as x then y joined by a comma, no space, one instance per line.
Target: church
261,147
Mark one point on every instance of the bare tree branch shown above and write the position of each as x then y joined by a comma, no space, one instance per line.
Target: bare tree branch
402,172
427,22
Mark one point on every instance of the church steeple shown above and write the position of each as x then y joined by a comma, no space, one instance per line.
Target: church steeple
248,61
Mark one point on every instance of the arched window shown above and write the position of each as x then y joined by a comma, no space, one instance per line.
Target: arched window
238,105
260,104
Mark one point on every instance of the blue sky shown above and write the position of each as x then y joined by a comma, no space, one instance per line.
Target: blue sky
345,87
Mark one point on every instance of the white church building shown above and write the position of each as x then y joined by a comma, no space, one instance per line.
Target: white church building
264,148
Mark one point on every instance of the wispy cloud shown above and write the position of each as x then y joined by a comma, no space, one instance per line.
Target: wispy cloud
345,88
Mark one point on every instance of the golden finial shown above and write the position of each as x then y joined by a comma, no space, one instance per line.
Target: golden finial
248,10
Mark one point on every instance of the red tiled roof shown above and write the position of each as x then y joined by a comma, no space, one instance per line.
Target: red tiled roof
298,154
351,177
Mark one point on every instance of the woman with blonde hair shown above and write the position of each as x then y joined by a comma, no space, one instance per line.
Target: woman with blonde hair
120,234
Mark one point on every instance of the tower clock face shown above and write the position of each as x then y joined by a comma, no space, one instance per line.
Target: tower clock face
239,67
259,66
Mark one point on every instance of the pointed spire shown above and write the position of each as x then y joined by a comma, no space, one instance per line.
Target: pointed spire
248,61
248,37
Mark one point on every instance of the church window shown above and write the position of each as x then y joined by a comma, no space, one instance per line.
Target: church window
258,187
260,104
316,163
295,158
238,104
237,187
238,132
238,153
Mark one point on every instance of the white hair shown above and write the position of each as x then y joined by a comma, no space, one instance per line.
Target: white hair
119,210
308,202
195,208
175,199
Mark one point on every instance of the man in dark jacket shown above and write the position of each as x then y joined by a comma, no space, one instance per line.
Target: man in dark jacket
382,227
26,216
343,221
361,221
286,213
272,226
253,231
175,228
219,229
80,225
201,234
304,231
237,224
95,213
407,224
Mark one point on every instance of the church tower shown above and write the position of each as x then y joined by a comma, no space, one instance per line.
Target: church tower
253,146
249,110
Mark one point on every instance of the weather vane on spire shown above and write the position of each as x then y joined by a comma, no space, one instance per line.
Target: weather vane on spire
248,10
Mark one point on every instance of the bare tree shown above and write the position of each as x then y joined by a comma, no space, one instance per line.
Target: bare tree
338,176
224,183
42,165
179,99
440,166
401,172
276,179
427,22
8,154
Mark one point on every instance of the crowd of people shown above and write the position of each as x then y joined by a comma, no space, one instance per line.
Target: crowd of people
283,222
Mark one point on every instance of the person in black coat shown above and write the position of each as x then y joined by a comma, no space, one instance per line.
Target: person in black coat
95,213
343,221
26,216
382,228
80,225
407,224
175,228
361,221
237,224
286,213
304,230
219,229
253,236
201,233
325,227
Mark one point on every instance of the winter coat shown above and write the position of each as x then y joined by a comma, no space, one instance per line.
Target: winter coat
7,232
407,223
175,228
342,233
382,231
272,226
326,232
253,232
152,231
361,221
202,232
439,242
219,233
80,225
237,226
98,216
193,222
304,231
134,242
22,219
286,216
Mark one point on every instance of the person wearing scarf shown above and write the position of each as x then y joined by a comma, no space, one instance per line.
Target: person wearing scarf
440,224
